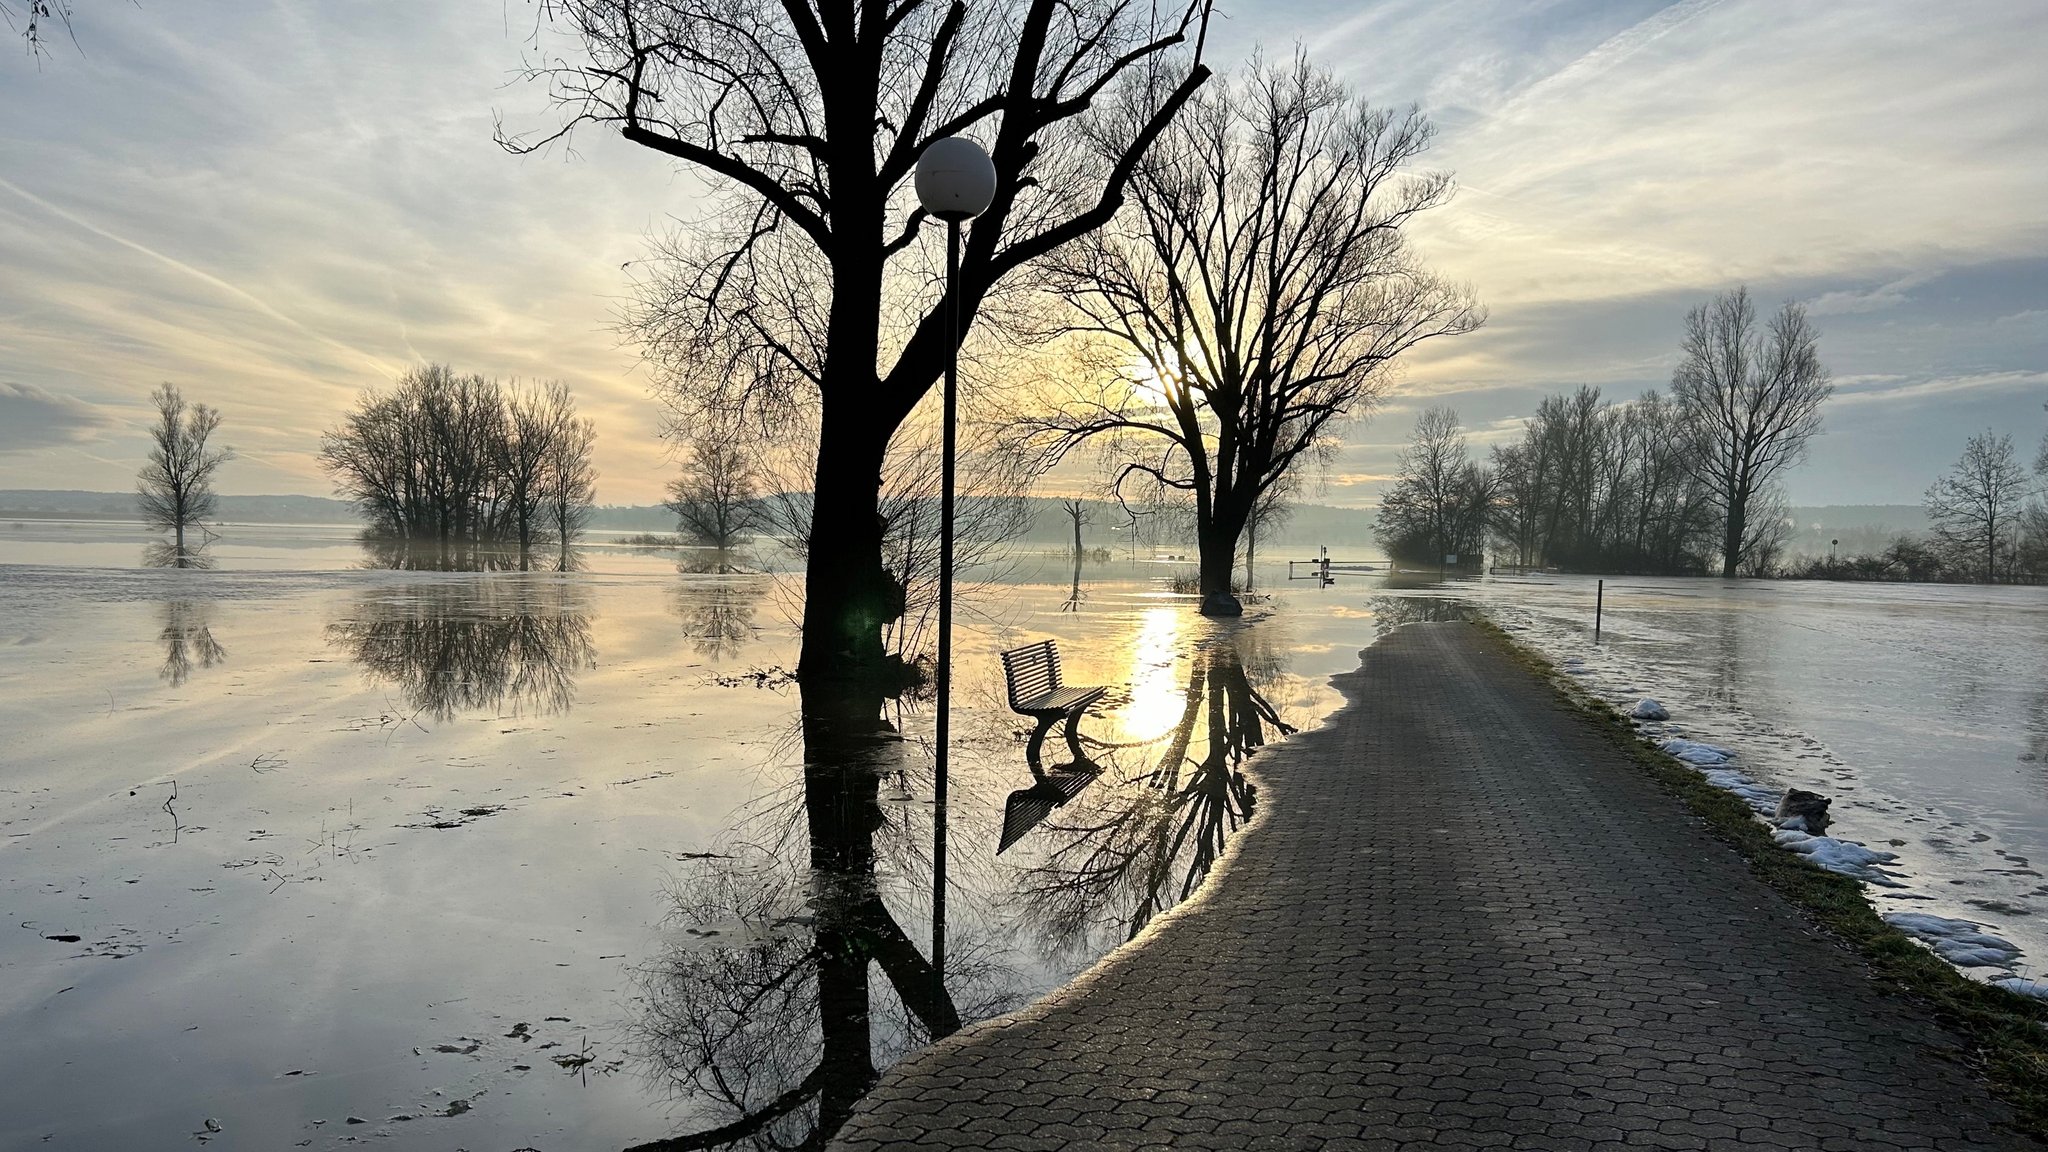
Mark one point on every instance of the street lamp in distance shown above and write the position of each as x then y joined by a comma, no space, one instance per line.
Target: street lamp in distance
955,182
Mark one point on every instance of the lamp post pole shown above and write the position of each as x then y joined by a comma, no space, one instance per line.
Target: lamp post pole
955,182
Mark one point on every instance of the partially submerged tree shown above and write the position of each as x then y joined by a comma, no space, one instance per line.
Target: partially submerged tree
459,463
1441,503
1252,296
812,286
1752,398
175,488
1977,508
1273,509
1598,486
716,500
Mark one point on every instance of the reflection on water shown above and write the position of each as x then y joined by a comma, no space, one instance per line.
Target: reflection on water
763,1010
166,554
187,638
1391,612
405,555
1121,854
485,645
718,615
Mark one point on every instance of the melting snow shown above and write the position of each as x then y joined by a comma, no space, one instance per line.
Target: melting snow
1695,752
1648,709
1962,943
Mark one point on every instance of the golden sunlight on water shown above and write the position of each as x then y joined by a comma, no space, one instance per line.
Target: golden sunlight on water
1158,696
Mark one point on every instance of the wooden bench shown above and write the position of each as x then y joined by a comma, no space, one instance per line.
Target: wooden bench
1036,690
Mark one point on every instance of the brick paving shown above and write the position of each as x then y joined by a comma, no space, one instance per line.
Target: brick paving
1464,921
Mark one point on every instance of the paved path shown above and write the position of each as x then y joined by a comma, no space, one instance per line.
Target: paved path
1465,922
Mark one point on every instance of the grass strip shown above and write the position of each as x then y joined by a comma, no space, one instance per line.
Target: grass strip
2005,1033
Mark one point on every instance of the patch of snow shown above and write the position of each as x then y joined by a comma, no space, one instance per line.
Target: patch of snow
2038,989
1761,797
1844,856
1648,709
1962,943
1697,752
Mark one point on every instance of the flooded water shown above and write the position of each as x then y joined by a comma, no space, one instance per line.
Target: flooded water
1922,710
300,853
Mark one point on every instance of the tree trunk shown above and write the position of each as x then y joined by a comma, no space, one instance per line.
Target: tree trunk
1731,538
848,595
1217,542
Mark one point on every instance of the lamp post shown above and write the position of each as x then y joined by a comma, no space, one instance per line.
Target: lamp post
955,182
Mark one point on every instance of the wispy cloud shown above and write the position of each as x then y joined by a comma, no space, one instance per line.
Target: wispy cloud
32,418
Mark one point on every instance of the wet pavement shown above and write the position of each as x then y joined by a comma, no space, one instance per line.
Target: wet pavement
1462,920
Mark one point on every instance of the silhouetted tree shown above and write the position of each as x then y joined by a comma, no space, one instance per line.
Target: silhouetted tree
175,488
461,463
809,118
1252,296
1593,485
1441,502
1976,508
715,500
1752,398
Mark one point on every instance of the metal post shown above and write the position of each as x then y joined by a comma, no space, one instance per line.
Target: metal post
1599,600
945,676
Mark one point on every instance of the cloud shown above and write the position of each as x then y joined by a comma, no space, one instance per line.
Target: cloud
33,418
1890,295
1903,390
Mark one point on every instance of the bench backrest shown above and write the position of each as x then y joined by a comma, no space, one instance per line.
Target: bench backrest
1032,671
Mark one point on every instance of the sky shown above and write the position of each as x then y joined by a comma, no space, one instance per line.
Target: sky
279,205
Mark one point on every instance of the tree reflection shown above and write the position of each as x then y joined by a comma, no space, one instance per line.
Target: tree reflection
718,615
165,554
764,1007
1391,612
402,555
480,645
187,637
1126,853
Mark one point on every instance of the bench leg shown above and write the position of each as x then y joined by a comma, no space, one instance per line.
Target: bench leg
1031,750
1073,735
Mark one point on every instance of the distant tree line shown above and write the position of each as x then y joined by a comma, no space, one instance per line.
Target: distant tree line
464,463
1672,482
1990,525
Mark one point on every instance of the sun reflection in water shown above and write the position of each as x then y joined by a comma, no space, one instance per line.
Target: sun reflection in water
1158,696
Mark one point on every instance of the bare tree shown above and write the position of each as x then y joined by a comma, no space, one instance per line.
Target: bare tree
1441,502
1275,506
1596,486
1768,531
1253,295
809,118
532,417
33,19
462,464
175,488
1977,508
570,480
716,499
1752,398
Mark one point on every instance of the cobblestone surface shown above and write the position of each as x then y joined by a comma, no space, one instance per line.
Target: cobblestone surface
1464,921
